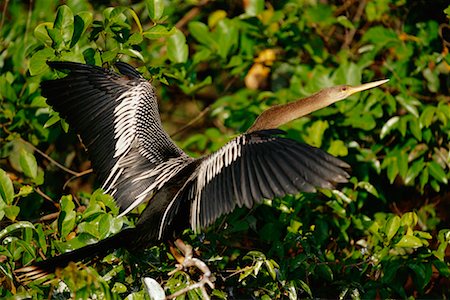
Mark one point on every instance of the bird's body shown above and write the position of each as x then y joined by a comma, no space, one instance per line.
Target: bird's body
136,161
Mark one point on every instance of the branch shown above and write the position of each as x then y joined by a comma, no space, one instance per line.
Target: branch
74,173
193,121
189,261
80,174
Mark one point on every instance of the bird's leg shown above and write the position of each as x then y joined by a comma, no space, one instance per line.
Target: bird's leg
189,261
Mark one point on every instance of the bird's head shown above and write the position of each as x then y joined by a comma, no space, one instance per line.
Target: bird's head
341,92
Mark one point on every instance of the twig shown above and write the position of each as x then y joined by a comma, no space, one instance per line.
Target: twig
88,171
43,195
49,217
193,121
30,10
190,15
74,173
351,34
4,14
190,261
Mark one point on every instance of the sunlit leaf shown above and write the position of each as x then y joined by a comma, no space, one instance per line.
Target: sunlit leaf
409,241
155,9
13,227
38,62
28,164
437,172
391,227
177,49
6,188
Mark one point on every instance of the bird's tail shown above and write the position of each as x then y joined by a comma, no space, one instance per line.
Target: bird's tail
43,268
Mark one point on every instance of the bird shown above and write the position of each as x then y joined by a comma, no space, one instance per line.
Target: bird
136,161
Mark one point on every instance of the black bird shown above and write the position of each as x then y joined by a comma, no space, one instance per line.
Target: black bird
118,120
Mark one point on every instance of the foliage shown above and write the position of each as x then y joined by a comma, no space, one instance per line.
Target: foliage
384,234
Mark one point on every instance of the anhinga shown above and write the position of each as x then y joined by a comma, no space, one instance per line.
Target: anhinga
118,120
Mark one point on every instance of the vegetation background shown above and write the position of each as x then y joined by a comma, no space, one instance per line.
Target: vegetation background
216,65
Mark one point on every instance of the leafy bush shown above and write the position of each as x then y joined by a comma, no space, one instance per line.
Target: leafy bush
216,66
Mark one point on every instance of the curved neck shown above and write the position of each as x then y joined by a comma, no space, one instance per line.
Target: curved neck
278,115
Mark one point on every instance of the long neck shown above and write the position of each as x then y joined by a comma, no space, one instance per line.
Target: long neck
281,114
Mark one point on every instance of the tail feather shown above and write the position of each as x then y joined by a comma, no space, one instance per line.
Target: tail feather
43,268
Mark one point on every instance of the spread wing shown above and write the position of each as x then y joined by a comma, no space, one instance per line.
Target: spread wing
256,166
118,120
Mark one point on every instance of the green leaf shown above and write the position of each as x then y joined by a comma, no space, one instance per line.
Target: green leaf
201,33
315,133
159,31
64,21
338,148
432,77
155,9
28,164
409,219
104,225
409,241
227,36
254,7
38,62
414,171
368,187
177,49
391,124
13,227
422,274
244,274
402,161
305,287
135,39
53,120
81,23
270,268
437,172
414,126
344,21
392,170
6,188
324,271
423,178
41,33
119,288
427,116
391,227
66,218
24,191
11,212
442,267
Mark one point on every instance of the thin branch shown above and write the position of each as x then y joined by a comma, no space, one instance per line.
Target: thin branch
49,217
43,195
80,174
30,11
193,121
4,14
351,34
74,173
188,262
190,15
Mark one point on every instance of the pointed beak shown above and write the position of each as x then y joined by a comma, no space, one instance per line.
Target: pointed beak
359,88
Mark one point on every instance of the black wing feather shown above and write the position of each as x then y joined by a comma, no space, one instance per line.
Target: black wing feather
118,120
268,165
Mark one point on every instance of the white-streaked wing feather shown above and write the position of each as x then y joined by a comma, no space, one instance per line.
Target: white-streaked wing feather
118,119
256,165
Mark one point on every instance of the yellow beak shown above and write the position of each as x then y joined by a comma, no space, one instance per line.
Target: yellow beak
359,88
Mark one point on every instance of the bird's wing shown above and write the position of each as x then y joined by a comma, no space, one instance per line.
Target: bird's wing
118,120
256,166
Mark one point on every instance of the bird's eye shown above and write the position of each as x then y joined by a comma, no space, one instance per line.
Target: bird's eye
344,88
